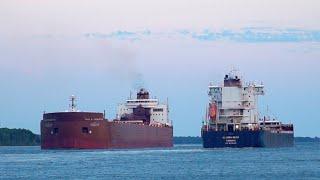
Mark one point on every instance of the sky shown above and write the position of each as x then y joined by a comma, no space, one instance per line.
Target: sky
101,50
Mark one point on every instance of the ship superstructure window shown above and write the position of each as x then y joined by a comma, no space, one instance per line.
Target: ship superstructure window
157,110
55,131
85,130
141,101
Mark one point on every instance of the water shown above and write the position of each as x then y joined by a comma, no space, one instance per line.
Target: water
179,162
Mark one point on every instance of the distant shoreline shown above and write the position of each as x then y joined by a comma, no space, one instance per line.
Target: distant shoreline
18,137
24,137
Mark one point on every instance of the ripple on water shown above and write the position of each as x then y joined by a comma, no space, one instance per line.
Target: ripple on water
179,162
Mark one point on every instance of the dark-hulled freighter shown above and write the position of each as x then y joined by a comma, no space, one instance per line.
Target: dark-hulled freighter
232,118
141,123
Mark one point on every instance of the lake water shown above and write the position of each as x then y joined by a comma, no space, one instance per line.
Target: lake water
180,162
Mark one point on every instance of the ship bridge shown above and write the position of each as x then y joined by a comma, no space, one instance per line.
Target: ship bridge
144,108
234,104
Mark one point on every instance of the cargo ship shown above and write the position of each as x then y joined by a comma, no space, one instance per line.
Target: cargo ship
232,118
141,122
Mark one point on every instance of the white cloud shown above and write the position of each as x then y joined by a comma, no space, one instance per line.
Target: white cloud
251,35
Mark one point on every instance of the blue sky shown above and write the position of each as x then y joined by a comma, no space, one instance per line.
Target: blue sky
100,51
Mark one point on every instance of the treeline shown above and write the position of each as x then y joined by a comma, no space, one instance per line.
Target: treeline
307,139
18,137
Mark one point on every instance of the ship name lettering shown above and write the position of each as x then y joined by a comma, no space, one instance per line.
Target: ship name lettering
231,141
230,137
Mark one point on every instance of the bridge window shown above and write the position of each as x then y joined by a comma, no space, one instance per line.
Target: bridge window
55,131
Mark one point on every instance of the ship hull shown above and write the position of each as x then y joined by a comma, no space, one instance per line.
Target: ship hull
240,139
129,135
81,133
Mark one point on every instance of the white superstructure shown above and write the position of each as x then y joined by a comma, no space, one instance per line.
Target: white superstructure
234,105
145,109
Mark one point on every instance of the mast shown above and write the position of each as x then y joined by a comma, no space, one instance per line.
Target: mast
167,103
73,106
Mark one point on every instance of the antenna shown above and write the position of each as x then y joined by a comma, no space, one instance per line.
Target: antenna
73,106
167,102
268,112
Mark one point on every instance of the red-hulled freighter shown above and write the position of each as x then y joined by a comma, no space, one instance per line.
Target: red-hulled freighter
141,123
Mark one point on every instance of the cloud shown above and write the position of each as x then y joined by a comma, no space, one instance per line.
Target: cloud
260,35
247,35
120,35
